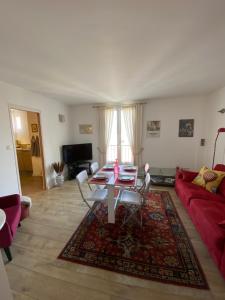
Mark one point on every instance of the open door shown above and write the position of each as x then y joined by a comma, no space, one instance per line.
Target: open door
27,136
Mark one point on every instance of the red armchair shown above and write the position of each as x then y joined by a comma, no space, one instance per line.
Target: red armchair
12,208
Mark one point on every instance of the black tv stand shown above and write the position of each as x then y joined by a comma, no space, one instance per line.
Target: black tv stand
78,166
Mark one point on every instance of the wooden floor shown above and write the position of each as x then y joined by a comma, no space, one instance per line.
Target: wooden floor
31,184
36,273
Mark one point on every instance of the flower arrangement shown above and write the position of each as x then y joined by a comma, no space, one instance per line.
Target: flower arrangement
58,167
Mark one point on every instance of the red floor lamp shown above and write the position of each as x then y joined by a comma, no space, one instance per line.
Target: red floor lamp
220,130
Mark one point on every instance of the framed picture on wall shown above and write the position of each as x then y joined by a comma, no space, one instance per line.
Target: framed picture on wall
34,127
85,129
186,128
153,128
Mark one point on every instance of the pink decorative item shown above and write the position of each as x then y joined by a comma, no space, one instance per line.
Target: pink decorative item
116,167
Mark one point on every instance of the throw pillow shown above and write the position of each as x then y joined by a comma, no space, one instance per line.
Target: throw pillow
199,180
209,179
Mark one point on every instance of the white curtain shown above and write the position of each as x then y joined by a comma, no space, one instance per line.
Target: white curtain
105,116
128,114
133,120
138,135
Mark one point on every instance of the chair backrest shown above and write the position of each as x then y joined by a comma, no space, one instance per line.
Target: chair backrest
82,177
147,182
145,187
94,167
146,168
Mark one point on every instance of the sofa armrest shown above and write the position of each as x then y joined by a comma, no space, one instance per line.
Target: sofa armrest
186,175
8,201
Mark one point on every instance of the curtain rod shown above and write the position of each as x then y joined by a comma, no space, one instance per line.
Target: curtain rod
117,105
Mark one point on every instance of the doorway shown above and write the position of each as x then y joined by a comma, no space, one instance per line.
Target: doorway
29,151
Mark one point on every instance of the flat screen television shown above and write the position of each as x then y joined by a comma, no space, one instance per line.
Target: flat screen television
77,152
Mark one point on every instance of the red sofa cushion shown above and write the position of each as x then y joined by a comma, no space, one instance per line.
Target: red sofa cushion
187,191
186,175
219,167
205,216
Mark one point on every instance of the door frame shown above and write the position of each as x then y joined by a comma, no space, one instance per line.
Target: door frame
42,151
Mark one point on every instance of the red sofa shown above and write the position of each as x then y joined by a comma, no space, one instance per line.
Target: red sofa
12,208
206,210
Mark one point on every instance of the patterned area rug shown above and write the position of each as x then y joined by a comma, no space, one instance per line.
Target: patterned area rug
160,250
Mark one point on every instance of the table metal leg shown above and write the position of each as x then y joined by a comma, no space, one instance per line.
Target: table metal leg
111,204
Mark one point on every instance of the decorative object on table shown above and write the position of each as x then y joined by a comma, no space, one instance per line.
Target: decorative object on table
220,130
85,129
34,127
161,250
153,128
116,167
58,168
186,128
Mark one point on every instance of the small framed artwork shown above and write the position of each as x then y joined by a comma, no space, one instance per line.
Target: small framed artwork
153,128
85,129
34,127
186,128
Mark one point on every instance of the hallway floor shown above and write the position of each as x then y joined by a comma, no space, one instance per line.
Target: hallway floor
31,184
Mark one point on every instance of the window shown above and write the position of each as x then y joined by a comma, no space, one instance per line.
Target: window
120,140
120,134
18,123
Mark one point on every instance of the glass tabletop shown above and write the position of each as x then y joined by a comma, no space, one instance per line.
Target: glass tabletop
170,172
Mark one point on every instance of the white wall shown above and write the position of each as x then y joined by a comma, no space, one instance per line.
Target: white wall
169,150
166,151
54,133
212,121
84,114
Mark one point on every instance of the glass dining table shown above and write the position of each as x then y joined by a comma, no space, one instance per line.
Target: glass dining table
115,182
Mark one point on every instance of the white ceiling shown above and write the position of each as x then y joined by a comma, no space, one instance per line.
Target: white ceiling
82,51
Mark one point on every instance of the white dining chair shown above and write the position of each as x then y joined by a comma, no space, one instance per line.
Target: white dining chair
94,169
96,196
141,181
134,201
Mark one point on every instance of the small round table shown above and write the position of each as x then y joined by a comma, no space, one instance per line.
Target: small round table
2,218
